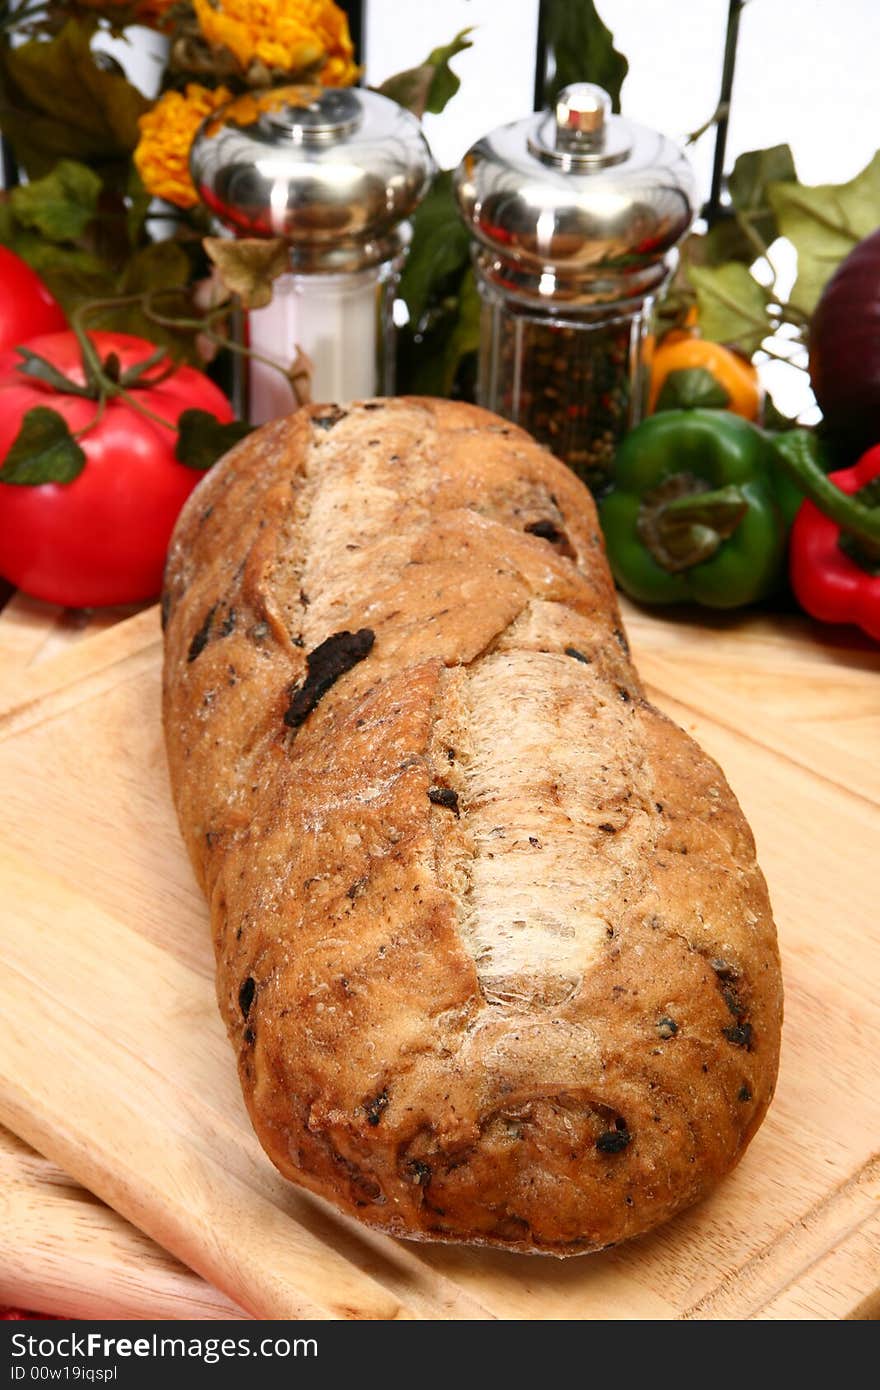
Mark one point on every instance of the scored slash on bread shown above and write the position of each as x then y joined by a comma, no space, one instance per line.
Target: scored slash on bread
492,944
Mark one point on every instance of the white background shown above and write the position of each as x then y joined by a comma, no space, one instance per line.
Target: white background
808,71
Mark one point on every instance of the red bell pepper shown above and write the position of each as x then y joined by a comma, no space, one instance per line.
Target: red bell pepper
835,544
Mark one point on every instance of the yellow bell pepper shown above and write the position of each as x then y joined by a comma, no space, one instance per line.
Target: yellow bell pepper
685,352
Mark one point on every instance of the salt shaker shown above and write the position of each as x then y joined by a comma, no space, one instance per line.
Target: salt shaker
575,215
336,172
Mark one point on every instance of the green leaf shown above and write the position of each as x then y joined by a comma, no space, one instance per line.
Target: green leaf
164,265
431,85
62,204
753,172
732,306
202,439
433,364
824,224
248,266
465,336
439,251
773,418
409,88
691,388
40,369
43,451
58,103
583,49
138,205
445,83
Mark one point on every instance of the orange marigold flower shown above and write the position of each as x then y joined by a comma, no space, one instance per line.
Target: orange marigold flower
294,36
167,132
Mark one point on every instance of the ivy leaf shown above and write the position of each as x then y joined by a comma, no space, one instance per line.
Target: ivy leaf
43,451
62,204
202,439
824,224
409,88
440,248
249,265
583,49
71,273
752,174
732,306
163,265
431,85
58,103
445,83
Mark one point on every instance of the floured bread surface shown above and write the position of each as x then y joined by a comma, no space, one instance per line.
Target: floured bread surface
492,945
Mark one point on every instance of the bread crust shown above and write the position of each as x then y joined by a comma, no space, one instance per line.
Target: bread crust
492,946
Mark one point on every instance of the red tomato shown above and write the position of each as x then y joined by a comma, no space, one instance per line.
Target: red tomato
26,306
102,538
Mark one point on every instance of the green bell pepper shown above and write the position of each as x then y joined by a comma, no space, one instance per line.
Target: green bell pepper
698,510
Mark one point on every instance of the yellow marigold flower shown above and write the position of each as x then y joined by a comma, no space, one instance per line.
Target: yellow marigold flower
167,132
291,35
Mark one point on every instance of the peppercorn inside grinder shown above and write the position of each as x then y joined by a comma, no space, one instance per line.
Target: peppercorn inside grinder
575,215
335,172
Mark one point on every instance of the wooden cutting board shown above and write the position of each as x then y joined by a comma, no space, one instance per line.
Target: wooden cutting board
63,1252
115,1067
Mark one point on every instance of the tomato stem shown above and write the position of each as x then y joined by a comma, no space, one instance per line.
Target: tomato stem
96,371
95,420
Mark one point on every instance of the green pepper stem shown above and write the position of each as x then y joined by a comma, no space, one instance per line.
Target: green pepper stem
850,515
682,522
721,507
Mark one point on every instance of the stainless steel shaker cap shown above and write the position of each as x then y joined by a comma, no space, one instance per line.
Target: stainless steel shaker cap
576,203
334,170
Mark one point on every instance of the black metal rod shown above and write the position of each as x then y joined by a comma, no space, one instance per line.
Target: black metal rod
713,206
8,164
355,9
541,59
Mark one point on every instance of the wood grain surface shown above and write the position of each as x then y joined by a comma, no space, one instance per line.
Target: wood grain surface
115,1066
64,1252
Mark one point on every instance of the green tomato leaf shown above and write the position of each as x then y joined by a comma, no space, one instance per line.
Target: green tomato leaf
749,181
692,388
248,266
824,224
583,49
431,85
62,204
202,439
43,451
58,103
41,369
732,305
439,251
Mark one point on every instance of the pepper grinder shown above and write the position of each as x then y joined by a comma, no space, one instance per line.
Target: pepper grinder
336,172
575,214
